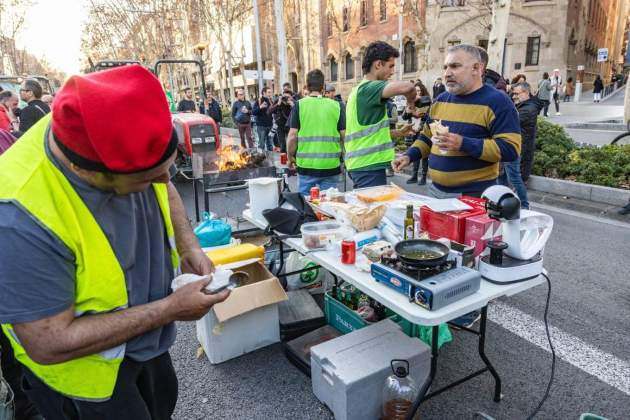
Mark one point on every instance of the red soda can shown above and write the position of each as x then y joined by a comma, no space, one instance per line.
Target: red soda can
348,252
315,193
283,159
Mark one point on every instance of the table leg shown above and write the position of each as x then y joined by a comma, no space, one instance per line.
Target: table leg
206,200
482,354
196,195
427,384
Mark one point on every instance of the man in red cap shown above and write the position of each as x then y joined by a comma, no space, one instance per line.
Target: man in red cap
92,233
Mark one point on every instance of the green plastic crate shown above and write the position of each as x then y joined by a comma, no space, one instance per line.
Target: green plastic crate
346,320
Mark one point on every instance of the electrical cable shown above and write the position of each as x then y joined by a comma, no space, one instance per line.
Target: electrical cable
553,352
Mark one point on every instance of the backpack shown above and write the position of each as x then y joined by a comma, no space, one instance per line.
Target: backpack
292,212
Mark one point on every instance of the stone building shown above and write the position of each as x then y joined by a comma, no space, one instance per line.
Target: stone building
542,34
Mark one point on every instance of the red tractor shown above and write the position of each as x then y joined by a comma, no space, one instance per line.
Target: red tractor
198,137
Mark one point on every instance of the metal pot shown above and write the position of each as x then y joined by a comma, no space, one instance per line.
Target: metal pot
410,252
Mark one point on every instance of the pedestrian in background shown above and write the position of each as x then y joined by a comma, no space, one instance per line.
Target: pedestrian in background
316,130
281,111
419,114
598,87
212,108
544,93
8,120
187,104
31,93
569,90
556,86
264,120
438,87
241,115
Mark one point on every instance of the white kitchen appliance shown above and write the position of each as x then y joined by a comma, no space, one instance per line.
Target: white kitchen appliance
518,256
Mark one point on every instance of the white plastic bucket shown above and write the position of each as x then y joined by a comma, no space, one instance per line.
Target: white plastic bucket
264,193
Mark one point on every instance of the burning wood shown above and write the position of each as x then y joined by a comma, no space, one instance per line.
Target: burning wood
231,158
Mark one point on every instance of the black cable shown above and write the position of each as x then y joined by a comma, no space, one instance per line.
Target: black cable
553,352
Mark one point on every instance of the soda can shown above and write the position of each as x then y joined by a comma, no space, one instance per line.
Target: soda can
348,252
315,193
283,158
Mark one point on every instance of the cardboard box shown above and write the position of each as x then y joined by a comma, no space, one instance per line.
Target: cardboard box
480,230
449,224
246,321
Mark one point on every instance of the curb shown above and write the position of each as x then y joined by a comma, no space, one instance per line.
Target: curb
597,126
597,193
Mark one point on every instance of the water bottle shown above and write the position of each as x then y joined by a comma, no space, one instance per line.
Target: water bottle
399,391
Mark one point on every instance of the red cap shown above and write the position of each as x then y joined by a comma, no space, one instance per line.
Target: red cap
114,121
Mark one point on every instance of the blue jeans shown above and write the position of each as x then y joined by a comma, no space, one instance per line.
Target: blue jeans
264,142
511,176
364,179
305,183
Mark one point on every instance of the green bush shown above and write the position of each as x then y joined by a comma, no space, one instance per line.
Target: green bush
227,118
557,156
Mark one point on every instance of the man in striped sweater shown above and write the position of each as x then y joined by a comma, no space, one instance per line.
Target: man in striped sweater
483,130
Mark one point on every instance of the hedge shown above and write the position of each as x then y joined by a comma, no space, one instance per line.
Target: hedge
557,156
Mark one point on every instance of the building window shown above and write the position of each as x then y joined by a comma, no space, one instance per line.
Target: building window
483,43
452,3
334,69
454,42
364,13
409,57
533,51
349,66
346,19
329,25
382,7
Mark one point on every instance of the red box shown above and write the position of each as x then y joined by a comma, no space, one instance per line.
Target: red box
450,224
479,230
474,202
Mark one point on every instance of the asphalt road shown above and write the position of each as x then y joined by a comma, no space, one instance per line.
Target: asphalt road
587,258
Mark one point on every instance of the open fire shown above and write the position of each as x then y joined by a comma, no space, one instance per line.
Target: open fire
232,158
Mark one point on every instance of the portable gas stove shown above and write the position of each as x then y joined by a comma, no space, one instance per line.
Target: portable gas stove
432,287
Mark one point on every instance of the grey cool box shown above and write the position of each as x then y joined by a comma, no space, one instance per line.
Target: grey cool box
348,373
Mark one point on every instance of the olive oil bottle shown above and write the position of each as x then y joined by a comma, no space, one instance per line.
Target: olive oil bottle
409,223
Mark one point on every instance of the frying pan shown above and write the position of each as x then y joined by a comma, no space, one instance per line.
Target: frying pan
404,249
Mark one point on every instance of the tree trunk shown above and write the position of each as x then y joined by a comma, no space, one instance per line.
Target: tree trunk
496,43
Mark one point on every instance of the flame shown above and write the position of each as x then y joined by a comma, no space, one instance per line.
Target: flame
230,159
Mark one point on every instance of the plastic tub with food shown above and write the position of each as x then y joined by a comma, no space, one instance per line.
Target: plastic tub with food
321,235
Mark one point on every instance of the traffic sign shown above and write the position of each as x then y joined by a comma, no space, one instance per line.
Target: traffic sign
602,55
253,74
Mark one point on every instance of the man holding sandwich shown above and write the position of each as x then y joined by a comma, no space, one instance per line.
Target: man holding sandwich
471,129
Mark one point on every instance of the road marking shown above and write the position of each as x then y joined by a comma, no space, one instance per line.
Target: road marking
582,215
604,366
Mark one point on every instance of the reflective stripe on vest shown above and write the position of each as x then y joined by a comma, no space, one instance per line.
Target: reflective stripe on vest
318,136
366,145
30,180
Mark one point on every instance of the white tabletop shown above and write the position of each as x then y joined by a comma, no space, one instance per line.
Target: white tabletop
396,301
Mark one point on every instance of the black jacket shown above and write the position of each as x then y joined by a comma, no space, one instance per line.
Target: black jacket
527,115
32,113
598,86
437,89
213,111
238,116
263,116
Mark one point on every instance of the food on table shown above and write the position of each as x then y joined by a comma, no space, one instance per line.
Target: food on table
379,194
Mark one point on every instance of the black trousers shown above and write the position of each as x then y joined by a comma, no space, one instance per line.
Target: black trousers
144,391
12,372
425,167
556,101
283,132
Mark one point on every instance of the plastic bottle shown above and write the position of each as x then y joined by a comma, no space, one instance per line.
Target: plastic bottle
399,391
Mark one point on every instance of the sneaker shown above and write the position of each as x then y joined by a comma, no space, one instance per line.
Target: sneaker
625,210
423,180
557,113
412,180
467,320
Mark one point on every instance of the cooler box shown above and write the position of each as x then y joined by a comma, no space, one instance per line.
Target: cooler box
450,224
348,373
247,320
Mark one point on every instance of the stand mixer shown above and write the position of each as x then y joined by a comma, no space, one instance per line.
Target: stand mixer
519,256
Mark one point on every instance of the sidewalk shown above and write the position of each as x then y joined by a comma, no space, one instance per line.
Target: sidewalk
586,111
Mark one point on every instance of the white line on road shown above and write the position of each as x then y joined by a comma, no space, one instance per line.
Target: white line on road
604,366
581,215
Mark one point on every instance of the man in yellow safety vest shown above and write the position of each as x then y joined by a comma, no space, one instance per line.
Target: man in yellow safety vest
92,233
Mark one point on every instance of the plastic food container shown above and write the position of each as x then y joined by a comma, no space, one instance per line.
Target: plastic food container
321,235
